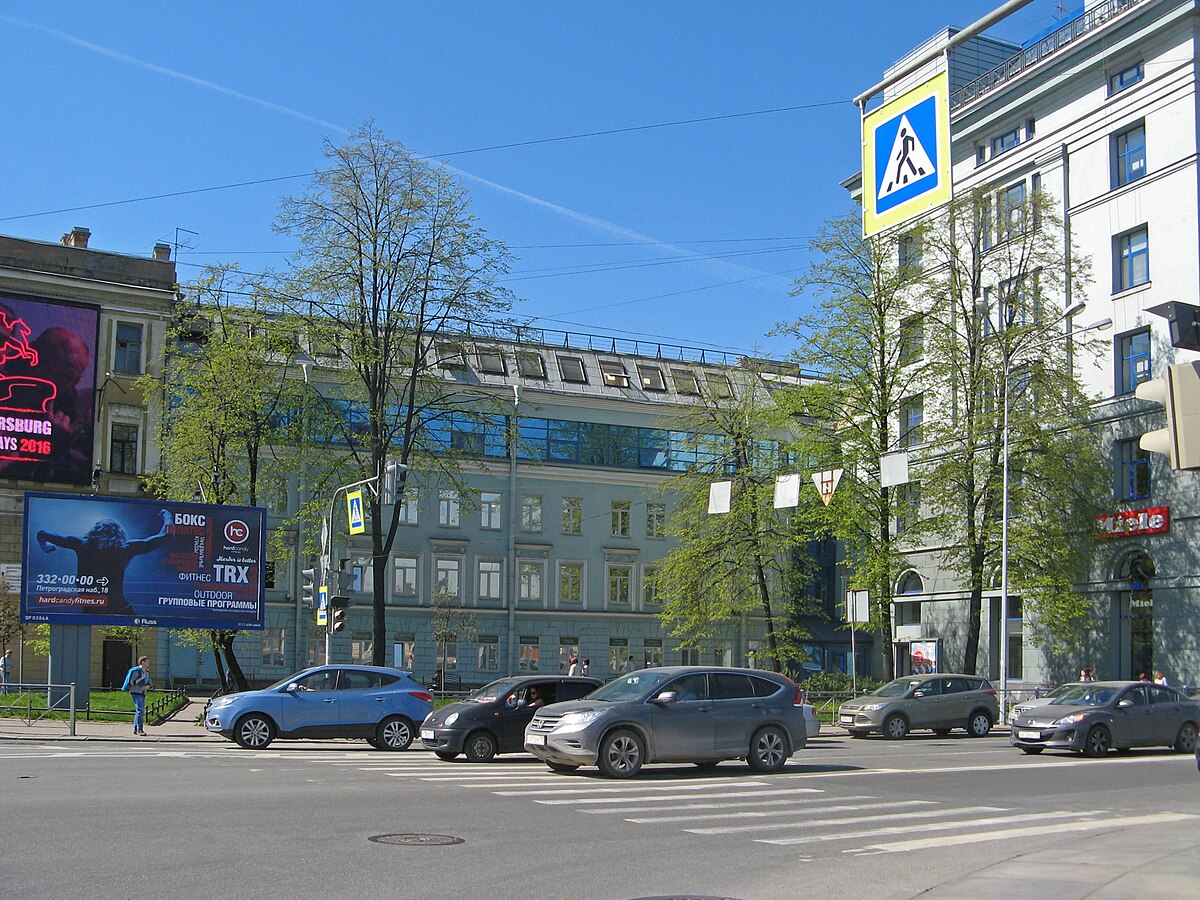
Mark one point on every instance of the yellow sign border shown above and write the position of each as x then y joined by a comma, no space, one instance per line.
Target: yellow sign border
938,87
361,528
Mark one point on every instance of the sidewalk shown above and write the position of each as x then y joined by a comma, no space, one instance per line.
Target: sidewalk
183,726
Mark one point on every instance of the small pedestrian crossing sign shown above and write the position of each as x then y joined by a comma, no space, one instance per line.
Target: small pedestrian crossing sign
354,512
906,156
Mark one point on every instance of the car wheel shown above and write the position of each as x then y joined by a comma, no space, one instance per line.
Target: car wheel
444,755
895,727
254,732
1185,741
394,733
480,747
942,732
768,750
979,724
621,754
1097,742
1032,751
565,768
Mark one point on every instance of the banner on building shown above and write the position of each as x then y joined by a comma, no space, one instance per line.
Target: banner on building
111,561
47,389
923,657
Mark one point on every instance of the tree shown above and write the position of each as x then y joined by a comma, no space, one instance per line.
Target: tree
865,340
11,626
450,623
750,560
390,264
997,340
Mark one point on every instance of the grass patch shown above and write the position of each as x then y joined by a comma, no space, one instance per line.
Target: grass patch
103,706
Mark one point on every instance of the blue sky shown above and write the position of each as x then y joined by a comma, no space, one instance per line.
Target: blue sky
690,233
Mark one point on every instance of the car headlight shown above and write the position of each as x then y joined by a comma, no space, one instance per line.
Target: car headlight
871,707
451,719
220,703
1072,719
573,721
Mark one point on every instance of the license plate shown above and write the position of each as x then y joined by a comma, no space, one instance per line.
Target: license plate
537,739
848,719
427,734
1029,735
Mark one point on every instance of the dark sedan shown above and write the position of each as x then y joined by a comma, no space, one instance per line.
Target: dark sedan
492,720
1096,717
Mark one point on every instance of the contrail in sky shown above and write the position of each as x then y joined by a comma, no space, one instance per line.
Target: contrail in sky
581,218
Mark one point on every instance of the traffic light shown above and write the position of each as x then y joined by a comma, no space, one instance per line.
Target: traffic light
1179,395
391,481
309,587
338,607
1184,320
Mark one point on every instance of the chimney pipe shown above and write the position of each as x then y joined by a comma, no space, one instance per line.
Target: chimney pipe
77,237
162,252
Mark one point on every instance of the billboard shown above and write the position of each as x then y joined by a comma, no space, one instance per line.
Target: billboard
111,561
47,389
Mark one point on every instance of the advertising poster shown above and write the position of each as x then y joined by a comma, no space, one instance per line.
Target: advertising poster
47,389
109,561
923,657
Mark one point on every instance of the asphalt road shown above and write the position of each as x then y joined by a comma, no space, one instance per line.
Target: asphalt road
846,818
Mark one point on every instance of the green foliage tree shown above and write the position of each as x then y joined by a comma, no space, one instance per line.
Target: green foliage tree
391,264
752,560
11,626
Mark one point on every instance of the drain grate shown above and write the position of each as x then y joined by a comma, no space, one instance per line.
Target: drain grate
416,840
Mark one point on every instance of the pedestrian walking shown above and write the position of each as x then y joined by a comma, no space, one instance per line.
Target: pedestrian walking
137,682
1160,678
587,664
573,668
6,670
627,666
1085,674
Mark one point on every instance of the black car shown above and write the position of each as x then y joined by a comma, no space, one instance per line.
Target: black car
492,720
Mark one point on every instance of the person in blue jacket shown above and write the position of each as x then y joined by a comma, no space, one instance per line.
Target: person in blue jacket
137,682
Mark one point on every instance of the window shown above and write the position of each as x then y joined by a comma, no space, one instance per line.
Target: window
1129,155
467,441
1133,360
652,378
908,613
530,577
1004,142
718,385
489,510
656,520
404,650
272,646
491,361
361,646
619,515
572,369
572,515
1133,259
447,577
689,656
912,412
568,649
570,583
447,653
1011,211
620,584
651,653
531,365
489,653
127,356
1133,473
1128,76
530,654
451,355
531,512
614,373
410,507
912,340
448,509
489,579
908,506
618,652
723,653
405,581
685,381
908,251
649,588
123,449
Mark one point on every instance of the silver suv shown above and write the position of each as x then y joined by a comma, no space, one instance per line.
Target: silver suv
676,714
940,702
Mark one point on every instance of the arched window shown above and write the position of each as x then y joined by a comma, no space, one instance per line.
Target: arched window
910,583
1138,569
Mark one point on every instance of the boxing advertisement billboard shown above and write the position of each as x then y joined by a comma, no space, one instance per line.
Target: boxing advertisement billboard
111,561
47,389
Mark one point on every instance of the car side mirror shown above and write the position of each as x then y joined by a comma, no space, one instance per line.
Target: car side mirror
666,698
1125,704
292,688
522,703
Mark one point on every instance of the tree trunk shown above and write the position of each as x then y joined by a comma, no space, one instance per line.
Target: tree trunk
216,651
236,676
885,589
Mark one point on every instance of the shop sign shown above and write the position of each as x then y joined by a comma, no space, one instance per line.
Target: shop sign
1155,520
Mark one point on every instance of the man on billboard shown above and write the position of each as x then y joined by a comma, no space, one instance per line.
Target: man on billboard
104,553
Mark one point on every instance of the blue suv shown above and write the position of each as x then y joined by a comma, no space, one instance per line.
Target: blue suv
372,702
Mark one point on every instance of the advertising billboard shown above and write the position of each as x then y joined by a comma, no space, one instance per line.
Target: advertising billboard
47,389
110,561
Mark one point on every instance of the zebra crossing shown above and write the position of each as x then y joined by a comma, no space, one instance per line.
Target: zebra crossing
779,811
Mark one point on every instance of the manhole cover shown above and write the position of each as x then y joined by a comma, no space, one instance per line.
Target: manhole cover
416,840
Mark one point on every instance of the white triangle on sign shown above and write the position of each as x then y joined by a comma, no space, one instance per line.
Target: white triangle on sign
907,162
827,483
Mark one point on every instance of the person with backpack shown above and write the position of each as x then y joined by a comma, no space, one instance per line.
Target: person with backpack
137,682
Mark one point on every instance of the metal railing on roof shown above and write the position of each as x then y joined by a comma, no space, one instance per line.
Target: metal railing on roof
1061,38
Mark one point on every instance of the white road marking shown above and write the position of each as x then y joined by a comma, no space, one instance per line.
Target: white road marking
570,787
659,799
930,826
737,804
754,814
928,814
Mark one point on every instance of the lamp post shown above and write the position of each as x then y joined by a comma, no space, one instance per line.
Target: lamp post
1009,352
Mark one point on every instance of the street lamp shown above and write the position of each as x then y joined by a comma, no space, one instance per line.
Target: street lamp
1009,352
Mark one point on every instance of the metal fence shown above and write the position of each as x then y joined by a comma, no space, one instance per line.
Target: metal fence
65,701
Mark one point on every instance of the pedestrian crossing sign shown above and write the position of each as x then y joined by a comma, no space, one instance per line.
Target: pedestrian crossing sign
906,156
354,512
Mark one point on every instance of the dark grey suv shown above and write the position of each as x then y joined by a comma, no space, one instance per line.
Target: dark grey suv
678,714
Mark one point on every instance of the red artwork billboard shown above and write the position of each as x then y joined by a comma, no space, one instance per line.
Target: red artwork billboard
47,389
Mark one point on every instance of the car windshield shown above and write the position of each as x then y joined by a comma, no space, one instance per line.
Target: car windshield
630,687
282,681
897,688
1086,695
489,692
